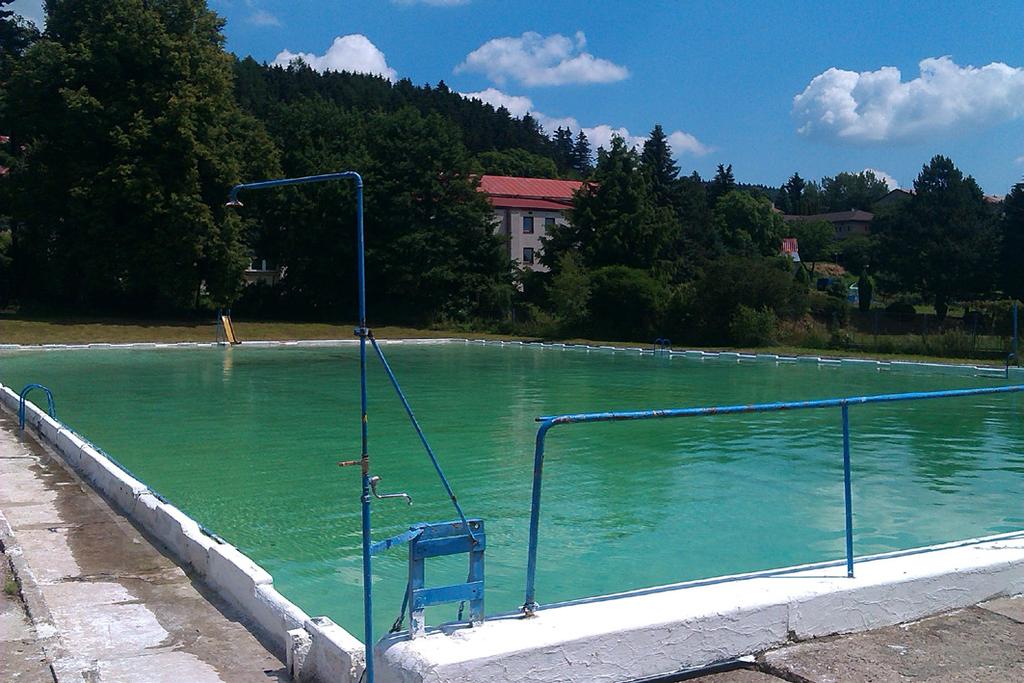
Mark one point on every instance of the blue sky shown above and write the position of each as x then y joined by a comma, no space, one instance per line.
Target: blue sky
771,88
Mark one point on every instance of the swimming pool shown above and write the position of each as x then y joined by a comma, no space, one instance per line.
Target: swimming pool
246,441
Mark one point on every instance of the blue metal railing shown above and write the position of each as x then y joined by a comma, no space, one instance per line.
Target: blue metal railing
51,407
530,605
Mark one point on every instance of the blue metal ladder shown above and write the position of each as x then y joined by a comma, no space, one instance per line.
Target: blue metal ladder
438,540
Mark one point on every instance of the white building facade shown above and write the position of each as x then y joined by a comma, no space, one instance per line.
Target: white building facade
527,209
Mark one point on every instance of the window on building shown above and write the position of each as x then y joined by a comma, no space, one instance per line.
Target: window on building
549,223
527,254
527,225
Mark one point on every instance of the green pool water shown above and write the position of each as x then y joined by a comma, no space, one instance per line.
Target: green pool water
246,441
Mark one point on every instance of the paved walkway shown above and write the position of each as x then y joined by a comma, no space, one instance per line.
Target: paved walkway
105,604
983,644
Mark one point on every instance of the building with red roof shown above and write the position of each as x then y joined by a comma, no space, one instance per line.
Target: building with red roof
526,209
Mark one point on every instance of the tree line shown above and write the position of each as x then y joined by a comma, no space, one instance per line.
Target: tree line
126,121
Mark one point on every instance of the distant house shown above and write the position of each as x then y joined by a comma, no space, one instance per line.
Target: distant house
846,223
895,197
791,248
526,209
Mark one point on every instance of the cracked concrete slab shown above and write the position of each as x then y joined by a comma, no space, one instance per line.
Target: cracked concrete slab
1012,608
21,656
116,608
740,676
972,644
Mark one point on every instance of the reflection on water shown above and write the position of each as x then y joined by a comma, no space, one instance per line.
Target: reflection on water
246,441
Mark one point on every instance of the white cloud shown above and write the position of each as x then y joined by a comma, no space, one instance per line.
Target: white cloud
533,59
30,9
685,142
353,52
877,106
517,105
885,177
1019,160
599,135
263,18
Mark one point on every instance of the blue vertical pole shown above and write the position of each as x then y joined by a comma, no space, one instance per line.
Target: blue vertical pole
847,492
365,456
1015,356
530,603
362,332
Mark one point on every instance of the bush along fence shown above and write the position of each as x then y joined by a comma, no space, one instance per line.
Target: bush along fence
989,330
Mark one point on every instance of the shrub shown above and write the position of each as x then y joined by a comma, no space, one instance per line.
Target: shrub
626,303
901,309
831,310
753,327
951,343
728,283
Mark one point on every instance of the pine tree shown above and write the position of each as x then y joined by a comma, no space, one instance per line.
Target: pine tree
614,220
581,155
722,184
791,195
563,149
656,161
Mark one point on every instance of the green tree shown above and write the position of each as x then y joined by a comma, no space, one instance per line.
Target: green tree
16,34
431,249
626,303
848,191
1012,229
855,252
748,226
570,292
656,161
517,162
722,184
791,194
942,241
614,220
816,239
581,155
728,283
133,135
563,149
865,291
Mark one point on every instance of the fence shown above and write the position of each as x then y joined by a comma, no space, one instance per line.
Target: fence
530,604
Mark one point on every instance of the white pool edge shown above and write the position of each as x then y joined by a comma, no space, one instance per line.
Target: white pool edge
315,649
989,371
635,636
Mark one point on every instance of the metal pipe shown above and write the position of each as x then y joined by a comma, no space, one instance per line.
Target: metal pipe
772,407
362,333
847,493
1015,339
423,437
530,604
51,406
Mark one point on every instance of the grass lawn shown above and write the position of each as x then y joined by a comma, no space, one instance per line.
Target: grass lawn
23,330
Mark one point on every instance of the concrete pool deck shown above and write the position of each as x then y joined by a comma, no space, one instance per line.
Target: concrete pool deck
980,643
102,602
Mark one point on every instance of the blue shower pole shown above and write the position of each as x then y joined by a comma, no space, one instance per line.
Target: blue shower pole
1015,342
362,332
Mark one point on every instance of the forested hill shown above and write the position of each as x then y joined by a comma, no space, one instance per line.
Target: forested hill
261,88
